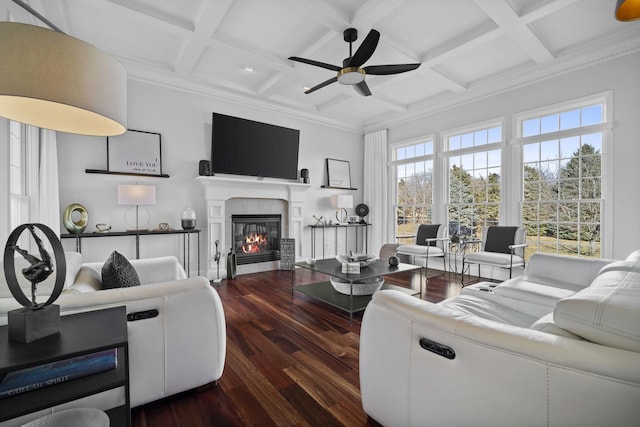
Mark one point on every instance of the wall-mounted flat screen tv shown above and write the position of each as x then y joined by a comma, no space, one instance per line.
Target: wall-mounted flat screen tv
246,147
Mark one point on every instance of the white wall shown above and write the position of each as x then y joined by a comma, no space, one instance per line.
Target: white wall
184,121
619,75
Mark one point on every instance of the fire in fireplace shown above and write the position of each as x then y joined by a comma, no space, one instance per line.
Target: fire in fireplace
256,238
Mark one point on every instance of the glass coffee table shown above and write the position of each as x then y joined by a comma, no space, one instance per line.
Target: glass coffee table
352,303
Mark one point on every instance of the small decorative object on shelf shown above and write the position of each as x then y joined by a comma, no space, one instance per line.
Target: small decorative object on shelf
35,320
103,228
216,258
287,254
188,219
75,218
362,287
232,264
394,260
362,210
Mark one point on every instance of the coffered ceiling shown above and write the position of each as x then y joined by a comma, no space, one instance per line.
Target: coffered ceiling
238,49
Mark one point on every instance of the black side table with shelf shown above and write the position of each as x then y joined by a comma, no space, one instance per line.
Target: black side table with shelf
186,241
80,334
346,226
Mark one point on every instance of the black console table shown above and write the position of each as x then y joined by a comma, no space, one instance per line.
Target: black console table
336,227
186,241
80,334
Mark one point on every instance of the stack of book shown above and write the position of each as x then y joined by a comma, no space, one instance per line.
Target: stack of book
37,377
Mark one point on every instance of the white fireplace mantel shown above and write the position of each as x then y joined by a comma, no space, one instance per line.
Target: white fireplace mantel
218,189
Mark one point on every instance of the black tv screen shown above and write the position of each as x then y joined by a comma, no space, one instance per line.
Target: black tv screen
245,147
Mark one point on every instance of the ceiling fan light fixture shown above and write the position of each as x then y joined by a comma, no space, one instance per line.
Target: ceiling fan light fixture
628,10
54,81
351,75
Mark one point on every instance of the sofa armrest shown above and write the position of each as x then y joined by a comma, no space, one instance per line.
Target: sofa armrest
500,373
183,347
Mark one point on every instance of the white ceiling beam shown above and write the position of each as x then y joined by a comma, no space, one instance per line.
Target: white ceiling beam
466,42
529,16
155,13
321,13
507,19
373,11
206,24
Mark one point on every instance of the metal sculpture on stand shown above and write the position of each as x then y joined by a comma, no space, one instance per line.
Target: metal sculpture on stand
216,258
34,321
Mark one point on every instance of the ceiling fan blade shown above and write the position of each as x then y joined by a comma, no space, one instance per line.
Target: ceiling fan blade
321,85
316,63
366,49
362,88
382,70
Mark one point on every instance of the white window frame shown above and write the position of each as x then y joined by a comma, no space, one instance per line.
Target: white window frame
446,154
605,98
394,177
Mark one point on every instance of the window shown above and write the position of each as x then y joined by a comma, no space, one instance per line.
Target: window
19,200
474,181
413,165
562,180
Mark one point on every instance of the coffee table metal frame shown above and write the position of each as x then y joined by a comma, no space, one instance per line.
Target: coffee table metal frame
351,303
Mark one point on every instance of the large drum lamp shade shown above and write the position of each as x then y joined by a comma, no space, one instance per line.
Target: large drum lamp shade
628,10
54,81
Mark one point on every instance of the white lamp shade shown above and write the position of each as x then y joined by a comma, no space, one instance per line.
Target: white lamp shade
54,81
342,201
136,195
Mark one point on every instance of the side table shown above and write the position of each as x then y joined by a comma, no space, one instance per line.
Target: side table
80,334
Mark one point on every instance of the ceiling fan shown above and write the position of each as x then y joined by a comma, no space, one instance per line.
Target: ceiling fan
352,72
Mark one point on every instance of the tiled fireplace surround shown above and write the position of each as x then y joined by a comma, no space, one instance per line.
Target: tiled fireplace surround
227,196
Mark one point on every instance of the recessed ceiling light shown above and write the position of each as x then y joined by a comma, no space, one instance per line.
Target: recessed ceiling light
248,68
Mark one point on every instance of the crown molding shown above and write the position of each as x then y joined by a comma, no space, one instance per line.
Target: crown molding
604,50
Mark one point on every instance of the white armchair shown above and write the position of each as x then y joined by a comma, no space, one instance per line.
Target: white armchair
431,241
501,246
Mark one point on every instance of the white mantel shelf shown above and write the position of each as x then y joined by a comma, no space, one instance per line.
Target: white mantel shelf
224,188
219,189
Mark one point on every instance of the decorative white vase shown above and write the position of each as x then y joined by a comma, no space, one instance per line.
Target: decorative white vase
188,219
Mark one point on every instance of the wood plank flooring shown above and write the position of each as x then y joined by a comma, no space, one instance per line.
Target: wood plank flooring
290,360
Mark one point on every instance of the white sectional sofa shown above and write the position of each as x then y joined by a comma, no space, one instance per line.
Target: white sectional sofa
558,346
181,348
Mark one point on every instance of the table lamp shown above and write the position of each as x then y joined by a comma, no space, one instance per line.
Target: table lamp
136,195
341,202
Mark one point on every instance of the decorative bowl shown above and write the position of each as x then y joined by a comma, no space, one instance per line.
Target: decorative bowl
360,287
311,261
364,259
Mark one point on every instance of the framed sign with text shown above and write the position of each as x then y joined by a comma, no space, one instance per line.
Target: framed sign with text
136,152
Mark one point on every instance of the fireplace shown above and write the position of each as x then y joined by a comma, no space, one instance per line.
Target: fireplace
256,238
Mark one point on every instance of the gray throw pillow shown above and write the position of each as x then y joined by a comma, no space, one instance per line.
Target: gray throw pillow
117,272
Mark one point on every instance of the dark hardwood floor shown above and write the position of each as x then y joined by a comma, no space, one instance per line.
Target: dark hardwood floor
290,360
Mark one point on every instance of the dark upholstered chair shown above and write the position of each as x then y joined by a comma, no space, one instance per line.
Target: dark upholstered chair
501,246
431,241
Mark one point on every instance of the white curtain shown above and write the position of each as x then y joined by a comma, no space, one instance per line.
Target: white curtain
48,197
375,189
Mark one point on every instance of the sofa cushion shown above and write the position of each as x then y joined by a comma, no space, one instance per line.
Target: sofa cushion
117,272
632,263
607,312
547,325
427,231
484,306
420,250
499,238
73,261
493,258
525,290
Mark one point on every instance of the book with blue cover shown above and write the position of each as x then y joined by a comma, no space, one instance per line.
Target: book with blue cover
37,377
